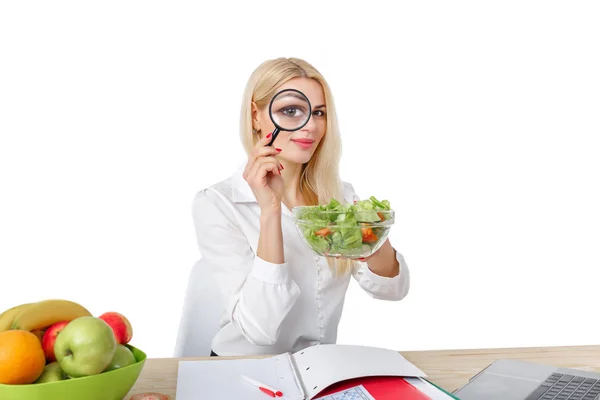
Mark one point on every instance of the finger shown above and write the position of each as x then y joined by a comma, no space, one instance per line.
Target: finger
271,159
261,169
258,152
263,155
262,143
260,172
264,140
268,164
270,167
265,152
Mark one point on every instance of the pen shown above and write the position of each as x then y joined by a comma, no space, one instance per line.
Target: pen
263,388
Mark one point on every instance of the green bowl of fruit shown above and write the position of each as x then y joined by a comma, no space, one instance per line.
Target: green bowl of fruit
349,231
109,385
57,350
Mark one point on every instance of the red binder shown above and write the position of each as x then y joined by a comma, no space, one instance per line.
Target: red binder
380,387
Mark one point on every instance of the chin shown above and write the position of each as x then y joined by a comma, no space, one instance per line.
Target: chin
300,158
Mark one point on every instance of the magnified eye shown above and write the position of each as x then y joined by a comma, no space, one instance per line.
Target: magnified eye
292,111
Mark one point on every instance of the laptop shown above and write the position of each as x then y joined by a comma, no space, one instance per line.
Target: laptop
507,379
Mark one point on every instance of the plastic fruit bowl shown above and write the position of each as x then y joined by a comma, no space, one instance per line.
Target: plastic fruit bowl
111,385
343,233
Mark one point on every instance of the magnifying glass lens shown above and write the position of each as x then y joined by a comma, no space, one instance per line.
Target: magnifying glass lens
290,110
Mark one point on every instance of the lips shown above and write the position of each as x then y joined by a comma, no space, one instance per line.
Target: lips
303,141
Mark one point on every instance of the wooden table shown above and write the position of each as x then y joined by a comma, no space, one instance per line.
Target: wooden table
449,369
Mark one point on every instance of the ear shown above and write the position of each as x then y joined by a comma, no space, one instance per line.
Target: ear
255,123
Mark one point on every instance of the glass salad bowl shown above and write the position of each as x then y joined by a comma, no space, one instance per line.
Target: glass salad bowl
350,231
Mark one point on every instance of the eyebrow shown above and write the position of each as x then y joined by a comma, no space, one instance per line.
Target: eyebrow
296,95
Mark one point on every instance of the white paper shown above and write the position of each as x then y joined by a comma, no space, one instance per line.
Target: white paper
222,379
323,365
428,389
354,393
300,376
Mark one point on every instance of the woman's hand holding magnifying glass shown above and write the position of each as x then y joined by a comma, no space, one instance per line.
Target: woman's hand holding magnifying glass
289,111
263,174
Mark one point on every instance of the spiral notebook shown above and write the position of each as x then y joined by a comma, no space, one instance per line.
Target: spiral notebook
304,375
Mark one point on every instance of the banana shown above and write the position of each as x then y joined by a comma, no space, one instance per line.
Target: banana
47,312
8,316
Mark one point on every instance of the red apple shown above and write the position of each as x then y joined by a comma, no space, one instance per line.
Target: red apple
120,326
50,337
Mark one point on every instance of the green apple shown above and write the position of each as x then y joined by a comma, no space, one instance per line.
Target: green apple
52,373
85,347
123,357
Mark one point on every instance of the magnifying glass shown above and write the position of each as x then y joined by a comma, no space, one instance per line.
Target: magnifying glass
289,110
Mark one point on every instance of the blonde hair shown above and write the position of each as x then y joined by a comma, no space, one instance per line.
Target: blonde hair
320,180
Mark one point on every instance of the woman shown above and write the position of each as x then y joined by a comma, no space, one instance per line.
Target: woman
279,296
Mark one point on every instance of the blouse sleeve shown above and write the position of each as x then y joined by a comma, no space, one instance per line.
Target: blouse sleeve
380,287
258,294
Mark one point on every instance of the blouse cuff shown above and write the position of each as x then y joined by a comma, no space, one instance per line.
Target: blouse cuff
278,274
384,280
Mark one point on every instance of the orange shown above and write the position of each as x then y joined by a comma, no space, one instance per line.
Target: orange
22,358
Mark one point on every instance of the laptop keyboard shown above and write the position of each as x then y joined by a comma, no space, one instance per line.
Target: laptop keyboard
566,387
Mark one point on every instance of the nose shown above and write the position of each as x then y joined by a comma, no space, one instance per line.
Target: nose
311,124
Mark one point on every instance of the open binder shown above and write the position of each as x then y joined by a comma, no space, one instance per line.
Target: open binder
315,372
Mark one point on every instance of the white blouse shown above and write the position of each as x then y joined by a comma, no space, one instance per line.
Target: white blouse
274,308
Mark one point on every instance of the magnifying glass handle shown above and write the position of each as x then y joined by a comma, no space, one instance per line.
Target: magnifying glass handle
274,136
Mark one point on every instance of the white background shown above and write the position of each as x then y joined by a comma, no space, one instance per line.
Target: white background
479,121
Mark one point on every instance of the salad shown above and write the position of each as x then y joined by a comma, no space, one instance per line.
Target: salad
352,230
